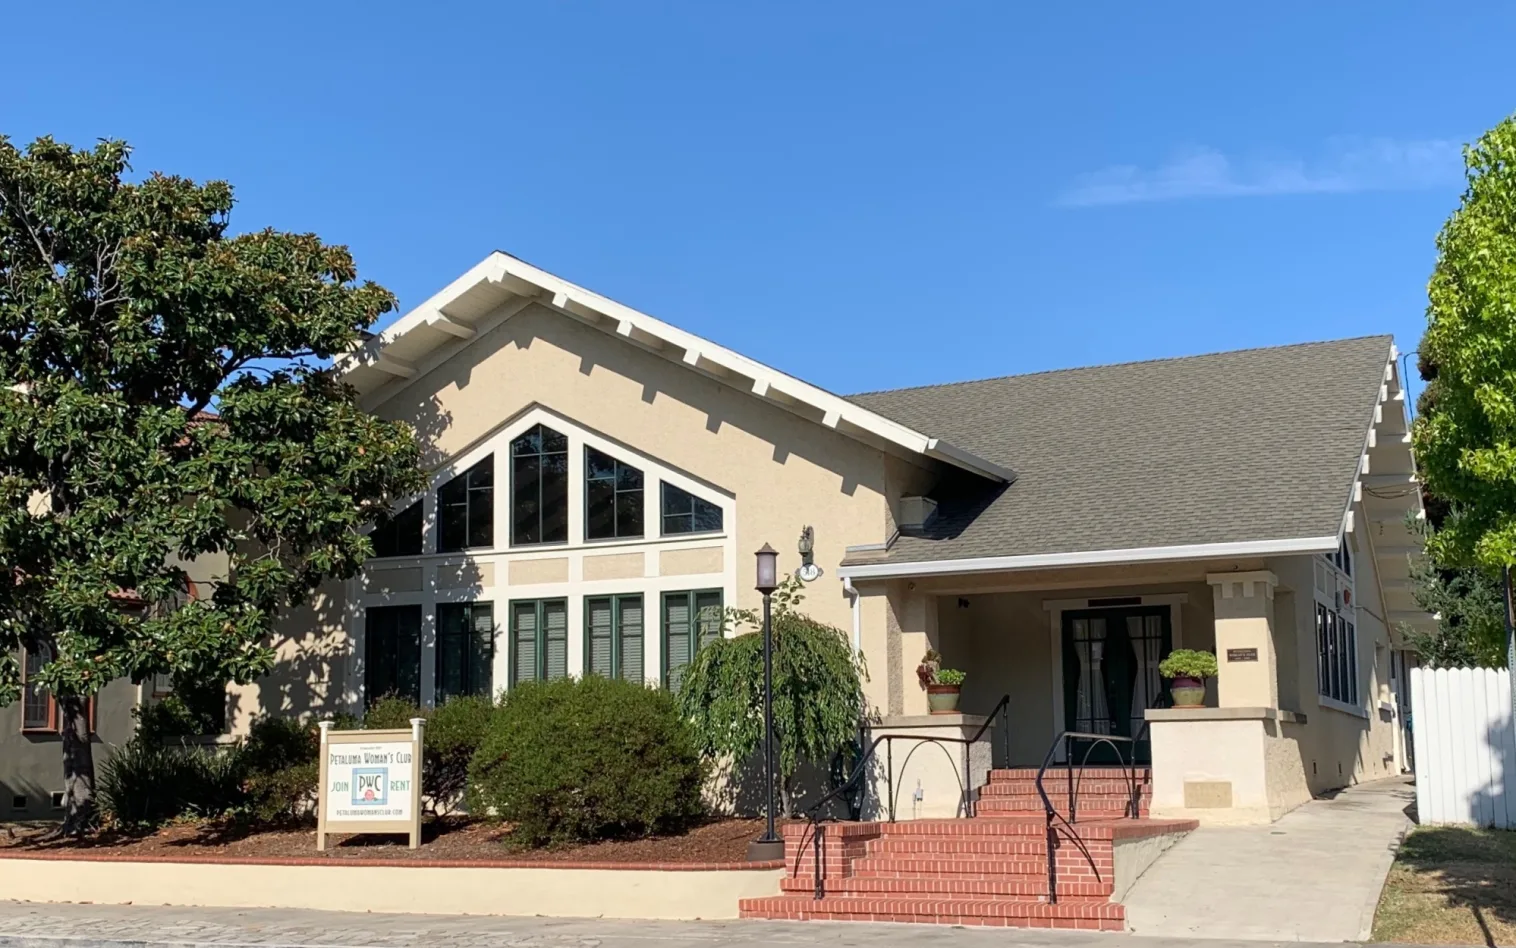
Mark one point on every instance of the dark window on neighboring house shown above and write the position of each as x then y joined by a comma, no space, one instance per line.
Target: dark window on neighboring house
466,509
612,497
392,653
539,487
683,512
39,709
539,639
613,637
401,536
690,619
465,649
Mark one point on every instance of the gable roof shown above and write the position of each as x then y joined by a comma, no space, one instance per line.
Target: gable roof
501,285
1258,448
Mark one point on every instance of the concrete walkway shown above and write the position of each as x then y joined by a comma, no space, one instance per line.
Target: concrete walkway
33,925
1315,875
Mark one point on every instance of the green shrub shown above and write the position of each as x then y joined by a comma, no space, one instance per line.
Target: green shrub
951,676
454,733
280,758
144,784
1188,663
391,712
579,760
171,718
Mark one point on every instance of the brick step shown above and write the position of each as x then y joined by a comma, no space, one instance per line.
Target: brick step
1144,774
1089,809
1008,825
960,845
1029,787
1003,888
941,910
950,866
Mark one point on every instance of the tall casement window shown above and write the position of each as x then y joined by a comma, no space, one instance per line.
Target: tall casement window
539,487
401,536
392,653
1336,628
683,512
613,637
612,497
36,702
690,619
465,649
539,639
466,509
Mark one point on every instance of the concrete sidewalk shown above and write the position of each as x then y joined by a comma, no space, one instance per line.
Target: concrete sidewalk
1315,875
33,925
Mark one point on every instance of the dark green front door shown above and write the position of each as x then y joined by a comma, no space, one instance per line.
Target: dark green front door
1110,674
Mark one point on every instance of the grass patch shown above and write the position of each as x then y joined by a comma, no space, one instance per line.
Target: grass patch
1451,886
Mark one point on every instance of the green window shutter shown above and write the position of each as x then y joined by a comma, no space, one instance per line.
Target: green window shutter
482,657
630,632
524,632
600,646
677,641
555,639
708,609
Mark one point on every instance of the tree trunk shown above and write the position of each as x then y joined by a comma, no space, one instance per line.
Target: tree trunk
78,766
787,796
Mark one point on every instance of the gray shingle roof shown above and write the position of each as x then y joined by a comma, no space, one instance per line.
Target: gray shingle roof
1259,444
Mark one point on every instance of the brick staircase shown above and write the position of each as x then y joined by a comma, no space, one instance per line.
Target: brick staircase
989,870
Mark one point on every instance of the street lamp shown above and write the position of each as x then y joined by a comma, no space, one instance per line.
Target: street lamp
768,846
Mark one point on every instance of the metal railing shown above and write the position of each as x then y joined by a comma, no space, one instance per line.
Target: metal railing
816,830
1075,777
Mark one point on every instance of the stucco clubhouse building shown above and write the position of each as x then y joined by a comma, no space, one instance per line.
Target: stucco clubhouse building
601,478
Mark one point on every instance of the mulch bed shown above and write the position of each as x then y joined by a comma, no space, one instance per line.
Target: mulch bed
445,838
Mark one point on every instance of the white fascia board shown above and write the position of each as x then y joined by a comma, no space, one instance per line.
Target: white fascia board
1149,554
503,268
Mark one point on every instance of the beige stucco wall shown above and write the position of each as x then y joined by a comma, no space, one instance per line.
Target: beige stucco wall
1226,765
781,472
585,893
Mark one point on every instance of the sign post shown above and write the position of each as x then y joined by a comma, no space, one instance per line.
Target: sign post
370,782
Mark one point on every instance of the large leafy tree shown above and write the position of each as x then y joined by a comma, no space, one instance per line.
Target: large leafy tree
1466,434
818,691
163,398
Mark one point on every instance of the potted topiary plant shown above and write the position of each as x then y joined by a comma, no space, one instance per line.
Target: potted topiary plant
1187,669
942,685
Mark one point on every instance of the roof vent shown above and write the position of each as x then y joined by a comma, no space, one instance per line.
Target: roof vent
916,512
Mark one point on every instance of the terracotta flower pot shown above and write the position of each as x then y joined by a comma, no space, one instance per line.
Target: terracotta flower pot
943,699
1187,692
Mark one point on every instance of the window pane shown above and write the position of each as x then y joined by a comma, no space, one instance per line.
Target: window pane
629,513
524,632
707,516
631,638
465,508
526,489
36,712
683,512
678,523
600,510
554,498
555,638
392,652
598,620
402,535
599,466
481,517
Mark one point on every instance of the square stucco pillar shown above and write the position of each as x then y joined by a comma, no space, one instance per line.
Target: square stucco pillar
917,615
1247,675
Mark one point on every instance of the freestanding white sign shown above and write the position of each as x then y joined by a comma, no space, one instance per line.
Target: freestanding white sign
370,782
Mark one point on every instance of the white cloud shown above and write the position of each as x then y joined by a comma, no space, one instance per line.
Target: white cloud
1346,166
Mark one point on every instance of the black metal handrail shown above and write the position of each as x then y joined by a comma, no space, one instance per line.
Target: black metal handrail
815,832
1134,793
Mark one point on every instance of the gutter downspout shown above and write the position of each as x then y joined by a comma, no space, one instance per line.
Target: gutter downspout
852,594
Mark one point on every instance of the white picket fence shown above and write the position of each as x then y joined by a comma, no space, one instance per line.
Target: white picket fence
1464,745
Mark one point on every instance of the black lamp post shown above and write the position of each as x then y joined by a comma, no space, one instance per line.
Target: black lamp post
768,846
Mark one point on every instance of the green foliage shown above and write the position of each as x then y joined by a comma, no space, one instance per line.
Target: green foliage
578,760
1470,609
127,309
818,691
391,713
144,785
172,717
281,760
951,676
1465,437
1188,663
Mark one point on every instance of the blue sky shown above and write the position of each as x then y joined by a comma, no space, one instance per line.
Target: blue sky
866,194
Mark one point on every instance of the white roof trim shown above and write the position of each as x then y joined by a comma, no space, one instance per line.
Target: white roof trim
1148,554
521,278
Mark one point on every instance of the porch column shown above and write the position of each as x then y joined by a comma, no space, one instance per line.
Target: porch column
917,615
1248,667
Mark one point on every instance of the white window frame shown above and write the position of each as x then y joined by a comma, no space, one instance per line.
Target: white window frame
1334,591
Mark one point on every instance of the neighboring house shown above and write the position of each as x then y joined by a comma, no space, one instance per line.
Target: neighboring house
601,480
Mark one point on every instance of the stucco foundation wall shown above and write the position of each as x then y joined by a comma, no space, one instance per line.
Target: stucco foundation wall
1212,771
1132,856
588,893
929,779
1284,769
